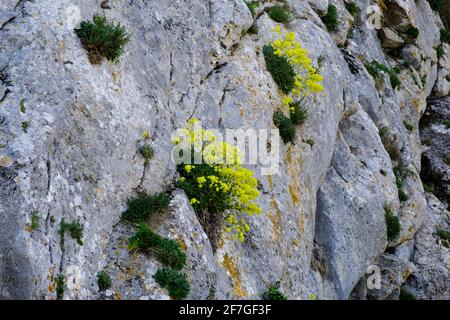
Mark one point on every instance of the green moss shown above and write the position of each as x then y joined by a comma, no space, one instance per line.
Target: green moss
285,126
147,151
141,207
175,282
392,223
103,281
331,18
352,8
35,220
273,292
298,113
252,6
405,295
167,251
75,230
60,283
279,14
281,70
102,39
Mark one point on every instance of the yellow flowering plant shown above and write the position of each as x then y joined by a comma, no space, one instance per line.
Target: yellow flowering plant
219,188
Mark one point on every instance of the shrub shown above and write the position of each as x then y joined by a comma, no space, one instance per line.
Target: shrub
75,230
445,36
285,126
412,33
60,283
35,220
298,113
374,68
103,281
392,224
352,8
147,151
331,18
141,207
436,5
405,295
279,14
167,251
252,6
281,70
102,39
273,292
175,282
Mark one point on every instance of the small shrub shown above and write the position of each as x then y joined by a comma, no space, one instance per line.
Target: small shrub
147,151
408,126
392,224
102,39
405,295
60,283
352,8
35,220
374,68
253,29
75,230
175,282
331,18
298,113
285,126
444,235
412,33
436,5
103,281
279,14
167,251
141,207
311,142
273,292
281,70
252,6
445,36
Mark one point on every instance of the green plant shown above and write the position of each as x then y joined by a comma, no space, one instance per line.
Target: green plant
436,5
412,33
252,6
253,29
147,151
142,206
331,18
298,112
281,70
352,8
428,188
285,126
35,220
399,183
23,109
103,280
374,68
273,292
167,251
311,142
175,282
392,223
25,126
60,283
406,295
102,39
75,229
445,36
408,126
279,14
440,51
444,235
446,123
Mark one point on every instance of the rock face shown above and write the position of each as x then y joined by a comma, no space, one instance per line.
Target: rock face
70,132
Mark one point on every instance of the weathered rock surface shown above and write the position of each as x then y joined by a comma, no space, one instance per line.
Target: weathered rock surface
70,131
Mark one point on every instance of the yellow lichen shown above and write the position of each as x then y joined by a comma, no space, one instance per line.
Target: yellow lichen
234,275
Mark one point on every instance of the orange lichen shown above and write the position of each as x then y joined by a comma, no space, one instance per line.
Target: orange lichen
234,275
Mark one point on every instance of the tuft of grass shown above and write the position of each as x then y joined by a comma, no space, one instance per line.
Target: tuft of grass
298,113
285,127
103,280
311,142
436,5
281,70
147,151
252,6
444,235
352,8
279,14
174,281
273,292
74,228
167,251
374,68
253,29
406,295
25,125
60,283
399,183
331,18
445,36
392,223
408,126
412,33
102,39
141,207
35,220
440,51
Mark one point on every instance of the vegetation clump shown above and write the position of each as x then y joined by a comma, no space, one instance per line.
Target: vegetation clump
285,126
375,68
147,151
331,18
102,39
412,33
279,14
60,283
103,280
273,292
281,70
75,230
406,295
252,6
352,8
399,183
35,220
392,224
174,281
298,112
445,36
141,207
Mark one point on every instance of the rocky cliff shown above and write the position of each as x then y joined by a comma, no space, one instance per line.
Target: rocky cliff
70,133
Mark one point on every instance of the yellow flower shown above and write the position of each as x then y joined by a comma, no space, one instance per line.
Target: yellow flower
146,135
188,168
194,201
